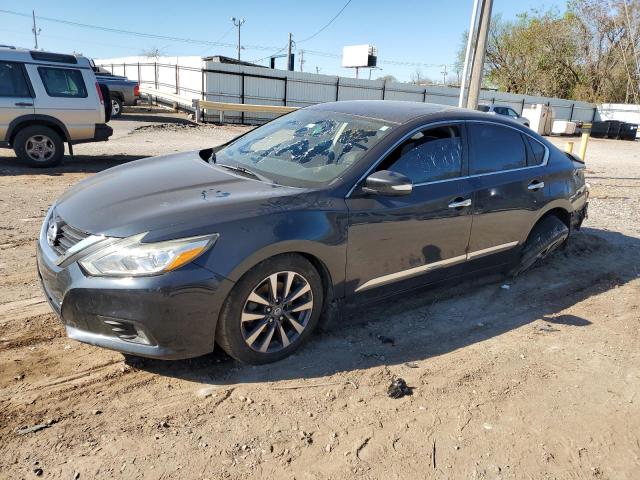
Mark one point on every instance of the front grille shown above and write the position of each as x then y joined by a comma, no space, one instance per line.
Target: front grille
67,237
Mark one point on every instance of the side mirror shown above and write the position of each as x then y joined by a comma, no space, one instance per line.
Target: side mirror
387,183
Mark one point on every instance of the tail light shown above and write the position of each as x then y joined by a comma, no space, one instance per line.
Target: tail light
136,91
99,93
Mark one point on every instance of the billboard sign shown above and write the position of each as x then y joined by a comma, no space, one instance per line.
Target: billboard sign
355,56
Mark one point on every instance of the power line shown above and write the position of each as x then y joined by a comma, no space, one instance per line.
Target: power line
329,23
138,34
217,43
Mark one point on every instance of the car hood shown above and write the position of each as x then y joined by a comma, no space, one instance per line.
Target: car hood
178,193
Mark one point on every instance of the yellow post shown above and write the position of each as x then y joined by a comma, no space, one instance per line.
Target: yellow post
583,145
569,147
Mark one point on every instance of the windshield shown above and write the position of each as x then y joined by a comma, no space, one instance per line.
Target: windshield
305,148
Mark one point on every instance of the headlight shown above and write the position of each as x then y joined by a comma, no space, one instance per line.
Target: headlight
130,257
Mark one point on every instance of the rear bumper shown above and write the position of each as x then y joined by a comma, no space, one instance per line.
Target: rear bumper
170,316
103,132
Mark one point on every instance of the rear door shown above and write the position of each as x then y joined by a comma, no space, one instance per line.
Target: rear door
69,95
392,239
509,186
16,96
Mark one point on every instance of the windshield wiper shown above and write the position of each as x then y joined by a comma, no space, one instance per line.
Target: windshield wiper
246,171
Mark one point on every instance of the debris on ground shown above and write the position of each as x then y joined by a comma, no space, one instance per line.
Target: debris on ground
505,286
399,389
35,428
385,339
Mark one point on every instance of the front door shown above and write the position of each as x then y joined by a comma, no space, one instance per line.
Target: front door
15,95
392,239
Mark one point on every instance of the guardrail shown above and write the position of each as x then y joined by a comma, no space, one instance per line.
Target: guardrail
200,105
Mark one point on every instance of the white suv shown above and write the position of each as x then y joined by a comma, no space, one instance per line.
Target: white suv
47,99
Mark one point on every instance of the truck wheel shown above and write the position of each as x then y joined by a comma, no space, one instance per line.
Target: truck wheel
271,311
547,235
116,107
39,146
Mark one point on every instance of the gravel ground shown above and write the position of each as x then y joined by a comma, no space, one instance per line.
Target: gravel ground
538,380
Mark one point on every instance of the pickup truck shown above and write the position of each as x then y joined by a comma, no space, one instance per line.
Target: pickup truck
123,91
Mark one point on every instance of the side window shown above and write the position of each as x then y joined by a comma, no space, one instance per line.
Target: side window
512,113
537,150
430,155
495,148
63,82
500,110
12,81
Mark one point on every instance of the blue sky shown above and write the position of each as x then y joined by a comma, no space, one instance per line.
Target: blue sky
427,31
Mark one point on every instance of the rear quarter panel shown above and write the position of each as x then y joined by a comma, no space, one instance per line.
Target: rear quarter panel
79,115
565,185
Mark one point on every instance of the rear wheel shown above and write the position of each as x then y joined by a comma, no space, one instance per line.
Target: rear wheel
39,146
116,107
271,311
547,235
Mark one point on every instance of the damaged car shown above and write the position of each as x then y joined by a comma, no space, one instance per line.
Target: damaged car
249,245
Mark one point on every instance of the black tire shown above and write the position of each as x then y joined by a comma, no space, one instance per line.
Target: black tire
106,98
231,331
116,107
38,140
545,237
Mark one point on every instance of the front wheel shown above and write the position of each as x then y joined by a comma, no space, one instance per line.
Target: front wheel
271,311
545,237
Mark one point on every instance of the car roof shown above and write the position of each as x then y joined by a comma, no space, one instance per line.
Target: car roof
402,112
395,111
13,54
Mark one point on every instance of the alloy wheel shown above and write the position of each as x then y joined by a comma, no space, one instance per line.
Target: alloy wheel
276,312
40,148
115,108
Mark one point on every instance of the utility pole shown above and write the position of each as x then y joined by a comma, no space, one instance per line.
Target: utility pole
289,59
36,31
301,59
444,75
467,57
238,22
475,82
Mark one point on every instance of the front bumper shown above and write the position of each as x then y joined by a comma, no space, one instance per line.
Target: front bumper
169,316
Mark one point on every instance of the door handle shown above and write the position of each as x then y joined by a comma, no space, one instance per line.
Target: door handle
23,104
535,185
459,203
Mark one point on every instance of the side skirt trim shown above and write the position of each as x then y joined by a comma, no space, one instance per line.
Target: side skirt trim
412,272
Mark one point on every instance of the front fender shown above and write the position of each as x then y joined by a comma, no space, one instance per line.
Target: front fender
245,243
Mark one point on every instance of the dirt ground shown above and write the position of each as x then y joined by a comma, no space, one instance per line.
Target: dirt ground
538,380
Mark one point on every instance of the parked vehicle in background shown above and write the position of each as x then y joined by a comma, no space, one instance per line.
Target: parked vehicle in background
245,245
122,90
47,99
504,110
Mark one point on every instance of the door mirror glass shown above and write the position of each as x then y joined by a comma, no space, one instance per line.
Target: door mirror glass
387,183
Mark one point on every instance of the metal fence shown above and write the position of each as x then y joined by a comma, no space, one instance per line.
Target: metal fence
254,85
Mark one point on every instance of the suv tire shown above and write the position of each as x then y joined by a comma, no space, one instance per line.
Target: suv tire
271,329
545,237
39,146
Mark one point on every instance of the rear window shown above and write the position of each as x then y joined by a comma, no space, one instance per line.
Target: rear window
495,148
12,81
63,82
483,108
538,151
